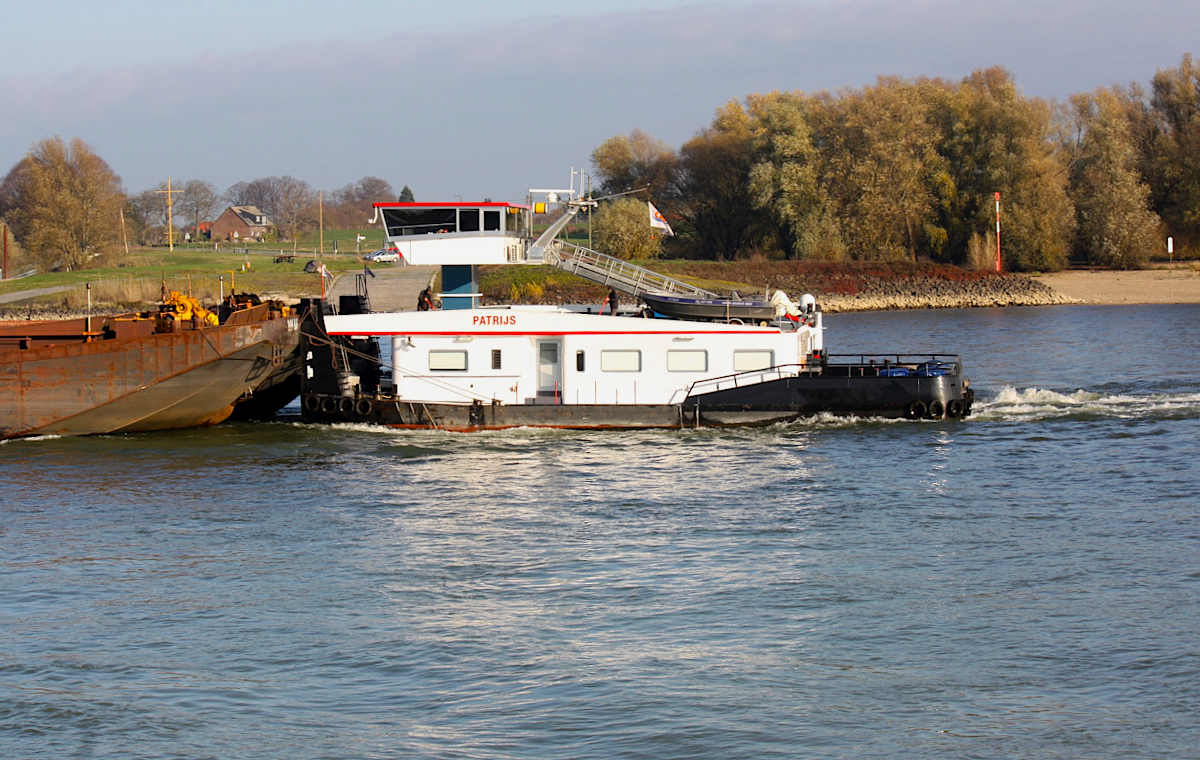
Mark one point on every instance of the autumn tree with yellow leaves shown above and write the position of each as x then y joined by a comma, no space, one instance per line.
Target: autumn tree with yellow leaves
64,203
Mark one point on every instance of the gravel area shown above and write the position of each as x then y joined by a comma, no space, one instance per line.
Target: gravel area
394,287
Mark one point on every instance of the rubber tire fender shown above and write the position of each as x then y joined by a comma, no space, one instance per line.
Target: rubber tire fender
329,405
954,408
311,403
362,407
916,410
936,410
346,405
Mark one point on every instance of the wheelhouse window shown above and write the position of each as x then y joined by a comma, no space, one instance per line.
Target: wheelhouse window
516,220
687,361
447,361
620,361
468,220
491,221
421,221
751,360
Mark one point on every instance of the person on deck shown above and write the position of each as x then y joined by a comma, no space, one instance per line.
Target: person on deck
610,302
425,300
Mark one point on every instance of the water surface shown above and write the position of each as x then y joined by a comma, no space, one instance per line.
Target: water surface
1024,583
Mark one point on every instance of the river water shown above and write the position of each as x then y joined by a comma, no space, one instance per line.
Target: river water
1025,583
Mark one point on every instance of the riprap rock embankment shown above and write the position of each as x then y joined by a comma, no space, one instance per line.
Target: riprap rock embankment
878,294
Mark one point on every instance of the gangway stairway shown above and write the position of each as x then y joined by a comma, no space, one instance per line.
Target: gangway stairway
600,267
616,273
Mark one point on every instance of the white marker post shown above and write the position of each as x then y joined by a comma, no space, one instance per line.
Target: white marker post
1171,249
997,231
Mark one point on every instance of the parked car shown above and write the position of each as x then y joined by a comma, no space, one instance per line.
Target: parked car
382,256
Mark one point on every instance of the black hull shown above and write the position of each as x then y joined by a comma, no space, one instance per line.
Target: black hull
766,403
940,397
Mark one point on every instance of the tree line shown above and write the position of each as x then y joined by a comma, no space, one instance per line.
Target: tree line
67,207
907,169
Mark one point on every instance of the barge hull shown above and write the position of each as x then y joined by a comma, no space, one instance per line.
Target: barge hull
160,381
772,402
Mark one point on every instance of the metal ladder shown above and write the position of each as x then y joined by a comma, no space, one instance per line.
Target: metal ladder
616,273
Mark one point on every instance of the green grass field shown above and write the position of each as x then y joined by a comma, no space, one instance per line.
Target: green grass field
199,267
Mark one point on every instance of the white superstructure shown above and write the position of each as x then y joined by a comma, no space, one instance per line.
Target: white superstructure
449,234
536,355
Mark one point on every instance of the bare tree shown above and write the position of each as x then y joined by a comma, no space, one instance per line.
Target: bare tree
198,202
146,215
237,194
351,205
262,193
293,204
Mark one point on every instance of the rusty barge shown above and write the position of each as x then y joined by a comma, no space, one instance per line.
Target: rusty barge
175,368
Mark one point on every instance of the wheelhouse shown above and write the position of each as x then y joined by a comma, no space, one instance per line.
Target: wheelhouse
457,233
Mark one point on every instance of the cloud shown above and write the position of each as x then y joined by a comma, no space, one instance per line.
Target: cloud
491,111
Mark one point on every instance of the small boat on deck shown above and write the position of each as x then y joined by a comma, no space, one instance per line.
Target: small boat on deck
710,309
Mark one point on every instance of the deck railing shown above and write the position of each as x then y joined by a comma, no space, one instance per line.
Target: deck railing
616,273
839,365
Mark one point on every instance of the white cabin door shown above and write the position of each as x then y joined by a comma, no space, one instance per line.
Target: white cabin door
549,369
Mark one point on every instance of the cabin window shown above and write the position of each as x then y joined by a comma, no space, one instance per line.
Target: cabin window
447,361
579,362
491,221
468,220
621,361
748,361
419,221
495,358
687,361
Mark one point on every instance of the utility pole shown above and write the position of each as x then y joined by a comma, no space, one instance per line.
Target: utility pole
321,219
170,219
124,235
5,231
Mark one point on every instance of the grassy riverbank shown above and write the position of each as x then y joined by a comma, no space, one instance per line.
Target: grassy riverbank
203,272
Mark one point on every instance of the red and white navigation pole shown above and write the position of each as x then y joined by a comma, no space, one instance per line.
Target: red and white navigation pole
997,230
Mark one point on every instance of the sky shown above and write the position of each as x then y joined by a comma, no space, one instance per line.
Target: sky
481,99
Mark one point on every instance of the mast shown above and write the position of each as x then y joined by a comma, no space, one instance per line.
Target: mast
170,219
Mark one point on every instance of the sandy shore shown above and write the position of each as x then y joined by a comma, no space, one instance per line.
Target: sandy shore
1179,285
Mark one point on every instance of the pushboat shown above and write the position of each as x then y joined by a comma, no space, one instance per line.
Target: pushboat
691,360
